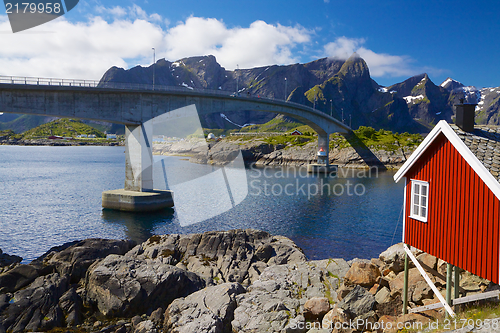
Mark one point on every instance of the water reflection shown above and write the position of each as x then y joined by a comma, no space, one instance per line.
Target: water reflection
138,226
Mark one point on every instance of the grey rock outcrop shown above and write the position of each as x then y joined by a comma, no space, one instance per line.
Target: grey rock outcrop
210,310
226,256
37,306
75,258
275,301
17,278
7,260
124,285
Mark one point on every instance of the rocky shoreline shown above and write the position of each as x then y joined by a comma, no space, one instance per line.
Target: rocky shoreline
265,154
57,143
228,281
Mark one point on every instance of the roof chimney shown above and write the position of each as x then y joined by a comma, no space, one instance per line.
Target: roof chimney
465,116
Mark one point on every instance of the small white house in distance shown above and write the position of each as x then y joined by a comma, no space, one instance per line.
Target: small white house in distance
82,136
110,136
92,136
211,136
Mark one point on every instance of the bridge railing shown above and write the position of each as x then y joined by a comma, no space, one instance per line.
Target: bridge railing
26,80
38,81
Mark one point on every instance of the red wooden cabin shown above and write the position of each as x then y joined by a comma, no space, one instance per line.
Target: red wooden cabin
452,197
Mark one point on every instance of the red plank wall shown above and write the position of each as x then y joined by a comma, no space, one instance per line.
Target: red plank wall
463,223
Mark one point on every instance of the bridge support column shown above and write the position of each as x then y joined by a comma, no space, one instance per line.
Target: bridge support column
138,194
323,163
139,158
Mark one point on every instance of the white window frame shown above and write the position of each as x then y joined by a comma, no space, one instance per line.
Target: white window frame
419,216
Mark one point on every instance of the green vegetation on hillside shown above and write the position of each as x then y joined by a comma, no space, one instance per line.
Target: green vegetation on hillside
380,140
9,134
277,124
289,140
62,127
363,136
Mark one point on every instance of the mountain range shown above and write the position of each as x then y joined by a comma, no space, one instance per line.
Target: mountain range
343,88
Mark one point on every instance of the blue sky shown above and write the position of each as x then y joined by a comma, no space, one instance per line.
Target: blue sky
398,39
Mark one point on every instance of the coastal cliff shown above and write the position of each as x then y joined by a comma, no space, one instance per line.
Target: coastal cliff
227,281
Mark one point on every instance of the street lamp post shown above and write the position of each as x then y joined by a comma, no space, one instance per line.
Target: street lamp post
331,108
285,88
237,80
314,105
154,65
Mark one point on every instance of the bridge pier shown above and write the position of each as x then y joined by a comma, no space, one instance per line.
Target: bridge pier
138,194
323,163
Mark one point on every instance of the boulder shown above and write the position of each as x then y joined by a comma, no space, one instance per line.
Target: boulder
7,260
208,310
334,316
421,291
387,324
126,285
363,274
357,302
36,307
428,260
146,326
394,257
382,296
343,291
17,278
391,305
315,308
75,258
414,277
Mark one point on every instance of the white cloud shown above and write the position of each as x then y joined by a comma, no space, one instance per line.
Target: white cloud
380,64
258,45
83,50
123,37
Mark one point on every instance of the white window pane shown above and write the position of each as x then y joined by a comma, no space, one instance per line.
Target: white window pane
416,189
424,190
424,212
415,209
416,200
424,202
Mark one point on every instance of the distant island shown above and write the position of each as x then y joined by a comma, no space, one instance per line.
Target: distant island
61,132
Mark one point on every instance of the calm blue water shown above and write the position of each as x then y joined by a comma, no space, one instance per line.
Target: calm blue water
52,195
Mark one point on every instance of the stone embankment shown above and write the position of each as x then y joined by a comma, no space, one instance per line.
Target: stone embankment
231,281
263,154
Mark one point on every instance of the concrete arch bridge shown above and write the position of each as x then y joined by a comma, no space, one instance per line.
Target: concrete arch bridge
136,105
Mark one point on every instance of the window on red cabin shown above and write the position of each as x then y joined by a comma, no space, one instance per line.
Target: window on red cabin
419,200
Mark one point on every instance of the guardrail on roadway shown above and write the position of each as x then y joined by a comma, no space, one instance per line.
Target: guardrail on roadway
26,80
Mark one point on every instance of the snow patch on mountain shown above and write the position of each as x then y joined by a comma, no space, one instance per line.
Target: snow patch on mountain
412,99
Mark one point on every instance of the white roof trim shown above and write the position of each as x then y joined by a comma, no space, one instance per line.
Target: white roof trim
463,150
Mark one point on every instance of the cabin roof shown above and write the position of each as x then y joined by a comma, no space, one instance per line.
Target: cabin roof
484,143
481,150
